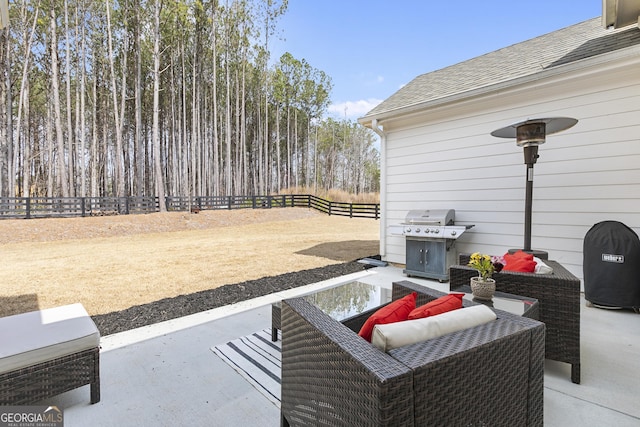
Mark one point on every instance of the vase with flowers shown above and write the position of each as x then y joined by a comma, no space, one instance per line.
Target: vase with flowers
484,286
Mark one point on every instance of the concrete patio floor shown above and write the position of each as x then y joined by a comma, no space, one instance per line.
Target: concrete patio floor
166,374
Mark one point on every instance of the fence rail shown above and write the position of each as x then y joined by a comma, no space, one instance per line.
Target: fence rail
50,207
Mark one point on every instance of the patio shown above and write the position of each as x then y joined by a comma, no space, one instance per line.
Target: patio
166,374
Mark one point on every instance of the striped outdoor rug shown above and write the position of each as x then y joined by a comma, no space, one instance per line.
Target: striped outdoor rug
257,359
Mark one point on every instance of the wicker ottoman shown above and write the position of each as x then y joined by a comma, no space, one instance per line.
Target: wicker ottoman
48,352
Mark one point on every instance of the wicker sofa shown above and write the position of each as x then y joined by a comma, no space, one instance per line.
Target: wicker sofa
487,375
559,297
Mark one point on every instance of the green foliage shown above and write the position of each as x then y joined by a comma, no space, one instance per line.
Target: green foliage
483,264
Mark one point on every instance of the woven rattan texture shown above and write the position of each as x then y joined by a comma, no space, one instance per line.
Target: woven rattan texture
33,384
488,375
330,376
558,295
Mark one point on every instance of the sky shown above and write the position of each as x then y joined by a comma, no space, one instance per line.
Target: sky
371,48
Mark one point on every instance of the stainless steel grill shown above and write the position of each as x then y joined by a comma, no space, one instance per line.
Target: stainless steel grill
430,242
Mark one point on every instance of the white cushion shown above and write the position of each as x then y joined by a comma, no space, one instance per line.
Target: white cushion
39,336
541,267
393,335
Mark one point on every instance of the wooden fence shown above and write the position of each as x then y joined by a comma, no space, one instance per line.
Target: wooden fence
50,207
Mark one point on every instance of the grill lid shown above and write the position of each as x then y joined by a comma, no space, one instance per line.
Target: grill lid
431,217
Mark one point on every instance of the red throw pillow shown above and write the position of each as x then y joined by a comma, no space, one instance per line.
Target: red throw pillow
520,261
396,311
518,254
437,306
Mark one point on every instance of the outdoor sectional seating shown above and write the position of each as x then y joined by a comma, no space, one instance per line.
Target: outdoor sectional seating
47,352
485,375
557,293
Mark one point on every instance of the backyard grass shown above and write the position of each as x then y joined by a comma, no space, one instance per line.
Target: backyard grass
116,262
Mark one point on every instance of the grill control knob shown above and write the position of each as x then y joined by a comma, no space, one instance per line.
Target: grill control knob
437,230
417,230
453,232
408,229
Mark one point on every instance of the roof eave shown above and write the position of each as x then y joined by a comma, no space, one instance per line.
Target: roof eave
630,52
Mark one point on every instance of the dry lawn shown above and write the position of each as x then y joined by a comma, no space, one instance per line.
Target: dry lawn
113,263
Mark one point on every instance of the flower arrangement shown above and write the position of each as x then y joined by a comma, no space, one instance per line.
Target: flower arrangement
484,264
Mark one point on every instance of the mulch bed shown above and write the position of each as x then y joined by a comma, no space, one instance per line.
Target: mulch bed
183,305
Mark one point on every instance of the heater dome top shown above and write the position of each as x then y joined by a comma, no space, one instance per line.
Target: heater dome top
552,125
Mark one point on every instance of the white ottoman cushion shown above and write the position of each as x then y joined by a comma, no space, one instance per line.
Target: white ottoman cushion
39,336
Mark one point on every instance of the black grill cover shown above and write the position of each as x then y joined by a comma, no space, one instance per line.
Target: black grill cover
611,265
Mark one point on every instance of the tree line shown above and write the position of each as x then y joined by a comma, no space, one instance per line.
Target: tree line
156,97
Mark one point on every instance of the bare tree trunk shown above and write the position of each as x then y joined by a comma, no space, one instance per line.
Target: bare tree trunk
94,140
289,156
24,103
26,166
62,172
139,143
7,128
50,153
184,142
214,102
194,132
228,183
81,116
278,166
295,147
243,130
156,110
119,160
70,132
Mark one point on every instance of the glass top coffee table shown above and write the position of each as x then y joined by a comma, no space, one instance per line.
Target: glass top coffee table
515,304
350,299
340,302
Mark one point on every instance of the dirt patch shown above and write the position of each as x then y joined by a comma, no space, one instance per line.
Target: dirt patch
340,251
113,263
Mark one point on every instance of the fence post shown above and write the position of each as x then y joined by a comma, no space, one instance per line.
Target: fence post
28,206
83,210
229,202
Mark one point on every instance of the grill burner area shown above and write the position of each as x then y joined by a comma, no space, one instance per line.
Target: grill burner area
430,242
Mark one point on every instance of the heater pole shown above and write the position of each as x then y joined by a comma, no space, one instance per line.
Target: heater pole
529,134
530,157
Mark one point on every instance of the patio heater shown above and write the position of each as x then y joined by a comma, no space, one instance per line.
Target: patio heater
529,135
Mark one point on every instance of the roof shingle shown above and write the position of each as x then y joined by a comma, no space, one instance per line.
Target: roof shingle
574,43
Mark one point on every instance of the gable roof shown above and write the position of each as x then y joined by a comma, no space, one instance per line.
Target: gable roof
565,46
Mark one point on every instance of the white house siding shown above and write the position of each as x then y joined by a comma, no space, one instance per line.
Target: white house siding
446,158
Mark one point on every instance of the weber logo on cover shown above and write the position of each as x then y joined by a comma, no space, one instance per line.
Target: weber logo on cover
31,416
619,259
